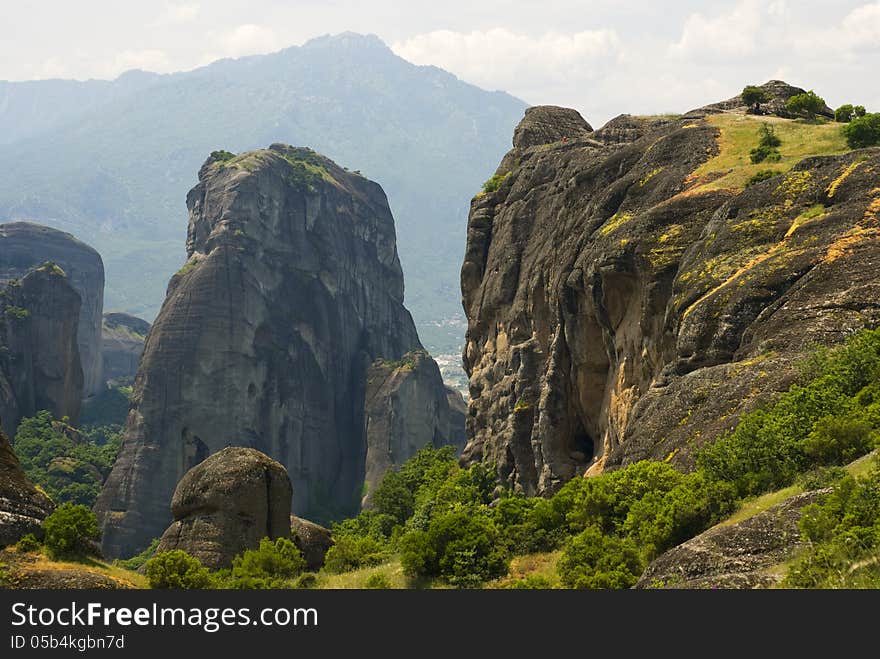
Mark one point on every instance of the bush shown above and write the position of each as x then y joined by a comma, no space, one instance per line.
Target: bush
863,131
70,530
753,96
839,440
378,581
847,112
761,175
27,543
531,582
136,562
306,581
271,565
821,477
595,560
350,552
494,182
809,104
177,570
768,143
463,547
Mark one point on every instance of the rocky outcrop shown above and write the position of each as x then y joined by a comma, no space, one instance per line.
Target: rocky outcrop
39,357
227,504
740,555
777,93
620,307
313,540
407,407
293,288
122,344
22,507
25,246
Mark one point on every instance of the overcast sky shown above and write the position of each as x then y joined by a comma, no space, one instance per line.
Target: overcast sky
601,57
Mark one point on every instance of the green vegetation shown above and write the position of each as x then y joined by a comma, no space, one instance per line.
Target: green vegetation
70,530
27,543
136,562
761,175
17,312
177,570
768,143
69,464
863,131
753,96
808,104
732,167
494,182
221,156
844,535
271,565
847,112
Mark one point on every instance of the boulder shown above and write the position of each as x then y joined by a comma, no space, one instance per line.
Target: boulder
313,540
227,504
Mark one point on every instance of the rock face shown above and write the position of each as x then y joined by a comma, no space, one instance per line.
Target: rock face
777,93
740,555
619,308
292,290
406,408
22,507
24,246
313,540
39,356
227,504
122,344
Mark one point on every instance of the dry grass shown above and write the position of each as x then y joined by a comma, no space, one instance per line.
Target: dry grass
357,579
541,564
731,168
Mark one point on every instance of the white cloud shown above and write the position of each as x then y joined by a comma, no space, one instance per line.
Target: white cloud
149,59
501,59
178,14
730,34
860,29
248,39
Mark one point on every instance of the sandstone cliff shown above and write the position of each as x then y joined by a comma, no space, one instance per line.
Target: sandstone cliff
227,504
292,290
39,358
24,246
122,344
22,507
625,303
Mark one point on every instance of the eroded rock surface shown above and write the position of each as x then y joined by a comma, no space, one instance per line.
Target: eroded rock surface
293,288
122,344
227,504
620,308
313,540
22,507
25,246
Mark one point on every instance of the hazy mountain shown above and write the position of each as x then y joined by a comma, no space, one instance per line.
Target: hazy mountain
111,161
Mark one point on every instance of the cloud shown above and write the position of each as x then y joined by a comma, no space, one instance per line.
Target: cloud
860,29
248,39
178,14
731,34
500,58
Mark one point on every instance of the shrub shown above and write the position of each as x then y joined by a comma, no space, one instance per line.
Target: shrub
177,570
531,582
494,182
27,543
136,562
394,498
269,566
350,552
821,477
378,581
768,143
761,175
595,560
463,547
847,112
753,96
809,104
70,530
838,440
306,581
863,131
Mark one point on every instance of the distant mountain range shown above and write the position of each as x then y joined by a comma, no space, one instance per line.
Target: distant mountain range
111,161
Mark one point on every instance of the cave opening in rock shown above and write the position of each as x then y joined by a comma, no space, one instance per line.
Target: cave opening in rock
582,446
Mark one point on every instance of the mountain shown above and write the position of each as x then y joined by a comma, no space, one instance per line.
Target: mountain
112,161
632,291
289,304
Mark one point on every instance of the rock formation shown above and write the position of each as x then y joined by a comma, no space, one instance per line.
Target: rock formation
22,507
292,290
777,93
227,504
122,344
740,555
24,246
39,357
313,540
407,407
620,306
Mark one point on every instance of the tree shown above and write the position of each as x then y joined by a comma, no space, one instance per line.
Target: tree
809,104
177,570
269,566
845,113
753,96
863,131
767,145
595,560
70,530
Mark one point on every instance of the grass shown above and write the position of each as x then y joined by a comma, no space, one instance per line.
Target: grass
531,565
18,562
732,168
358,578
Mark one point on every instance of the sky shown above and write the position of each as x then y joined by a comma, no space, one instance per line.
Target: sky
600,57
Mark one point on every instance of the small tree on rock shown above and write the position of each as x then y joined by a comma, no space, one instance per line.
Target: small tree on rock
809,104
753,96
